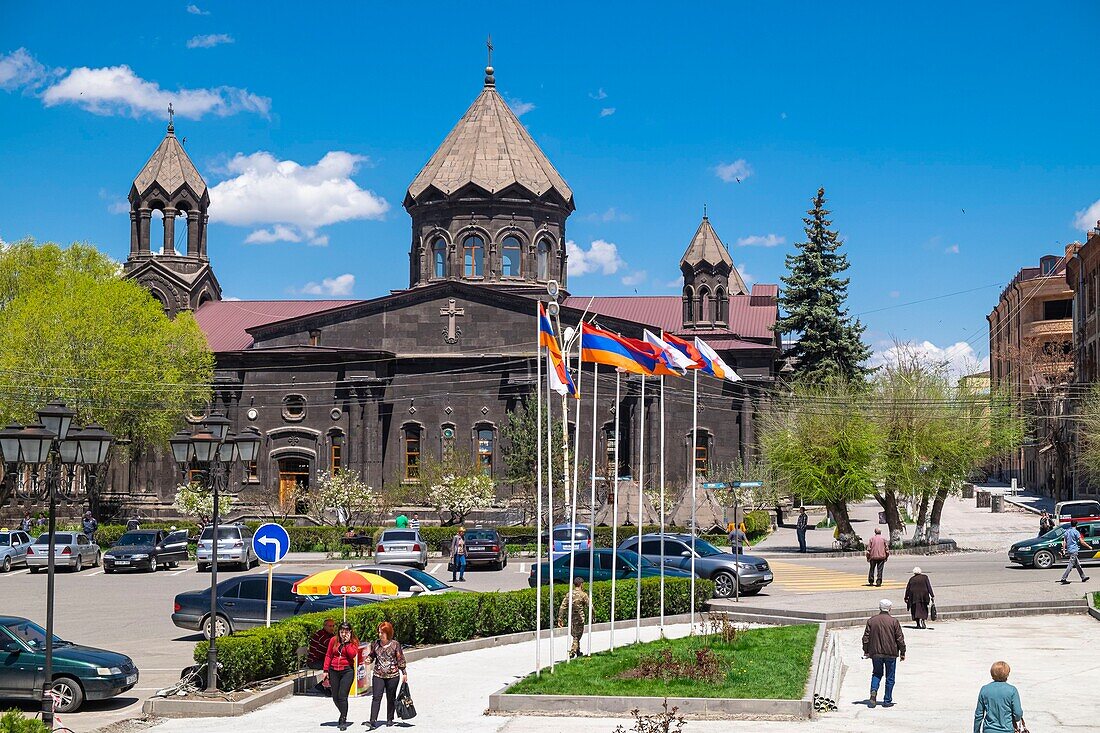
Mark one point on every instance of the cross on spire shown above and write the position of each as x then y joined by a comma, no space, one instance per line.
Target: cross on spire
489,45
171,118
490,80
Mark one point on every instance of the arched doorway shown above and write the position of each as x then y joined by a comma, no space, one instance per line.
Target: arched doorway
294,482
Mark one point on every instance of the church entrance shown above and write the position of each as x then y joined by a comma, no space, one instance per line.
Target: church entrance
294,483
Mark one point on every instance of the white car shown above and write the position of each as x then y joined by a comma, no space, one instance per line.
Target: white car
71,550
409,581
401,547
234,547
1085,510
13,548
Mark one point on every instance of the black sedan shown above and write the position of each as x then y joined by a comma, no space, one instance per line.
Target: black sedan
145,549
486,547
242,603
79,672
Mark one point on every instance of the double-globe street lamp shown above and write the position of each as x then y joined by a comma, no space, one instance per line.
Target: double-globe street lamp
59,459
212,451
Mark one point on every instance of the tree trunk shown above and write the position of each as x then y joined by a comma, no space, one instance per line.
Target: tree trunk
920,534
847,537
937,512
889,502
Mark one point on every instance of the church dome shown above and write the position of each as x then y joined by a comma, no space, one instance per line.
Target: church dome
169,168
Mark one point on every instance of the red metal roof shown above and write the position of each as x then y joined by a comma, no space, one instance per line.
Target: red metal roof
226,322
750,316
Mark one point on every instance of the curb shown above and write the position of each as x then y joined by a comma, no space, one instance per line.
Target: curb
621,707
178,707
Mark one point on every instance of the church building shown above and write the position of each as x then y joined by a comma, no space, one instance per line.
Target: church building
374,385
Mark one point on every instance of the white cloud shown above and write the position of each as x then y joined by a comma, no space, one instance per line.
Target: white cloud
1087,218
117,205
601,94
607,111
601,256
675,284
960,357
749,279
196,10
519,107
635,278
782,115
118,90
952,250
766,240
609,214
20,69
209,40
341,285
895,293
293,199
738,170
231,299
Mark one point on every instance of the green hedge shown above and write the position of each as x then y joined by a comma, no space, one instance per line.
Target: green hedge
261,653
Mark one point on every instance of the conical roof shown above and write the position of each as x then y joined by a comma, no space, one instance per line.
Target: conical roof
491,149
169,167
706,248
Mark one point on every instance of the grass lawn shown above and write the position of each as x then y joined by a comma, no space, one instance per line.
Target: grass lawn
769,663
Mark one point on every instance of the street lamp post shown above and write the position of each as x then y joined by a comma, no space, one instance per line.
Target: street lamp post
51,452
213,450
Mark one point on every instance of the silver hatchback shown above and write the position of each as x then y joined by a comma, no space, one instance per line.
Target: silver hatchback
401,547
71,550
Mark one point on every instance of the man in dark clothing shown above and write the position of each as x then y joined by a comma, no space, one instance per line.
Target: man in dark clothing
883,642
738,540
800,527
90,525
318,647
1046,523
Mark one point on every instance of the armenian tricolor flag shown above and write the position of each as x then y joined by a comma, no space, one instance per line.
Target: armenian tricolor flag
557,375
603,347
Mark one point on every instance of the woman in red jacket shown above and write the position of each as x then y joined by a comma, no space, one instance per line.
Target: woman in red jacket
341,662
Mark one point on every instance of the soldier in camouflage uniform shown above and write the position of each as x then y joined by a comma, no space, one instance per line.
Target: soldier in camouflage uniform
580,615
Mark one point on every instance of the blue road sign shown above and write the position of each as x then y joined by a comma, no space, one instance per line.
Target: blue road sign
270,543
714,485
748,484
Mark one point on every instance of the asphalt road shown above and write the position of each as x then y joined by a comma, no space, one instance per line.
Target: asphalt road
131,613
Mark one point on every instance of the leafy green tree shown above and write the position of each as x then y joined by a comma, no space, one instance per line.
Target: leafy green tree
830,341
1088,433
821,445
72,328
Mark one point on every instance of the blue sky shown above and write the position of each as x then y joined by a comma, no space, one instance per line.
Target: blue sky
956,142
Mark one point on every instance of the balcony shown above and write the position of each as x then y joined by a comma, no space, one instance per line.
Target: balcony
1047,330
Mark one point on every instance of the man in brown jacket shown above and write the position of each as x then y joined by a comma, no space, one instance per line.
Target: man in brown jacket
883,642
877,553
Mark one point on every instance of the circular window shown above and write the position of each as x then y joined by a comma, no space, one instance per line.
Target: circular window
294,407
448,433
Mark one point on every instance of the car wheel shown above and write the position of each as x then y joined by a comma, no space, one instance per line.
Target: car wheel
752,592
1044,559
505,561
201,567
69,695
34,570
108,571
222,625
173,565
724,583
79,564
98,560
153,565
6,567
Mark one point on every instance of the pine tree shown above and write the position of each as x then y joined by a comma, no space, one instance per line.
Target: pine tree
830,342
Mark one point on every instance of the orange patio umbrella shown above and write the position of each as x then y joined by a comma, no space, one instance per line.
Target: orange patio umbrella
344,582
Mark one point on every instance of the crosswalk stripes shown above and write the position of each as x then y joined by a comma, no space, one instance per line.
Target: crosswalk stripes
799,579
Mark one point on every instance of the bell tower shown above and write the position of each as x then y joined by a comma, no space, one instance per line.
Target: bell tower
709,279
169,187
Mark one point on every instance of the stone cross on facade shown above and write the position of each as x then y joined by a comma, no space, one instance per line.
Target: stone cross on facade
452,331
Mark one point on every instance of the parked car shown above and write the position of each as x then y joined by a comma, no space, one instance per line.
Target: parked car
567,538
485,547
401,547
409,581
13,548
605,563
80,672
1085,510
1046,551
71,550
728,571
145,549
242,603
234,547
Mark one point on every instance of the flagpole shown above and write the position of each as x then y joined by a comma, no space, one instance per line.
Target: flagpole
641,488
694,480
550,510
573,495
592,498
661,509
538,482
615,510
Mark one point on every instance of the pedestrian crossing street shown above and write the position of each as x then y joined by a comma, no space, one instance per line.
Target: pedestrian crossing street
800,579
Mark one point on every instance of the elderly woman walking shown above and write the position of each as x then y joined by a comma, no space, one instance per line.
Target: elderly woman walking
999,709
918,597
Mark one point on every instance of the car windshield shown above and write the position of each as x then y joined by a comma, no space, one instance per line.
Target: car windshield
578,533
60,538
1080,509
1054,534
137,538
31,634
706,549
480,534
224,533
391,536
429,582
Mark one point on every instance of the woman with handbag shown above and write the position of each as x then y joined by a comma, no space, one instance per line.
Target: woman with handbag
999,709
388,658
919,597
341,662
458,556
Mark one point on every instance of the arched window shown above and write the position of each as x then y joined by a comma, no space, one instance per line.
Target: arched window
544,260
473,250
689,304
439,258
336,452
485,450
447,442
411,439
509,257
717,306
704,304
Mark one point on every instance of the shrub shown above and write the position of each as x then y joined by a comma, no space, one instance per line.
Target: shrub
14,722
262,653
757,523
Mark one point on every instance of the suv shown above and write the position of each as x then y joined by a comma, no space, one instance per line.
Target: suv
146,549
234,546
730,573
486,547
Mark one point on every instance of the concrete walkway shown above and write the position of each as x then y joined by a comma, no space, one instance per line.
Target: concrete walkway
936,689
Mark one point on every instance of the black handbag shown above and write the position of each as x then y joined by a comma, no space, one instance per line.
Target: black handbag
405,708
932,612
451,566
